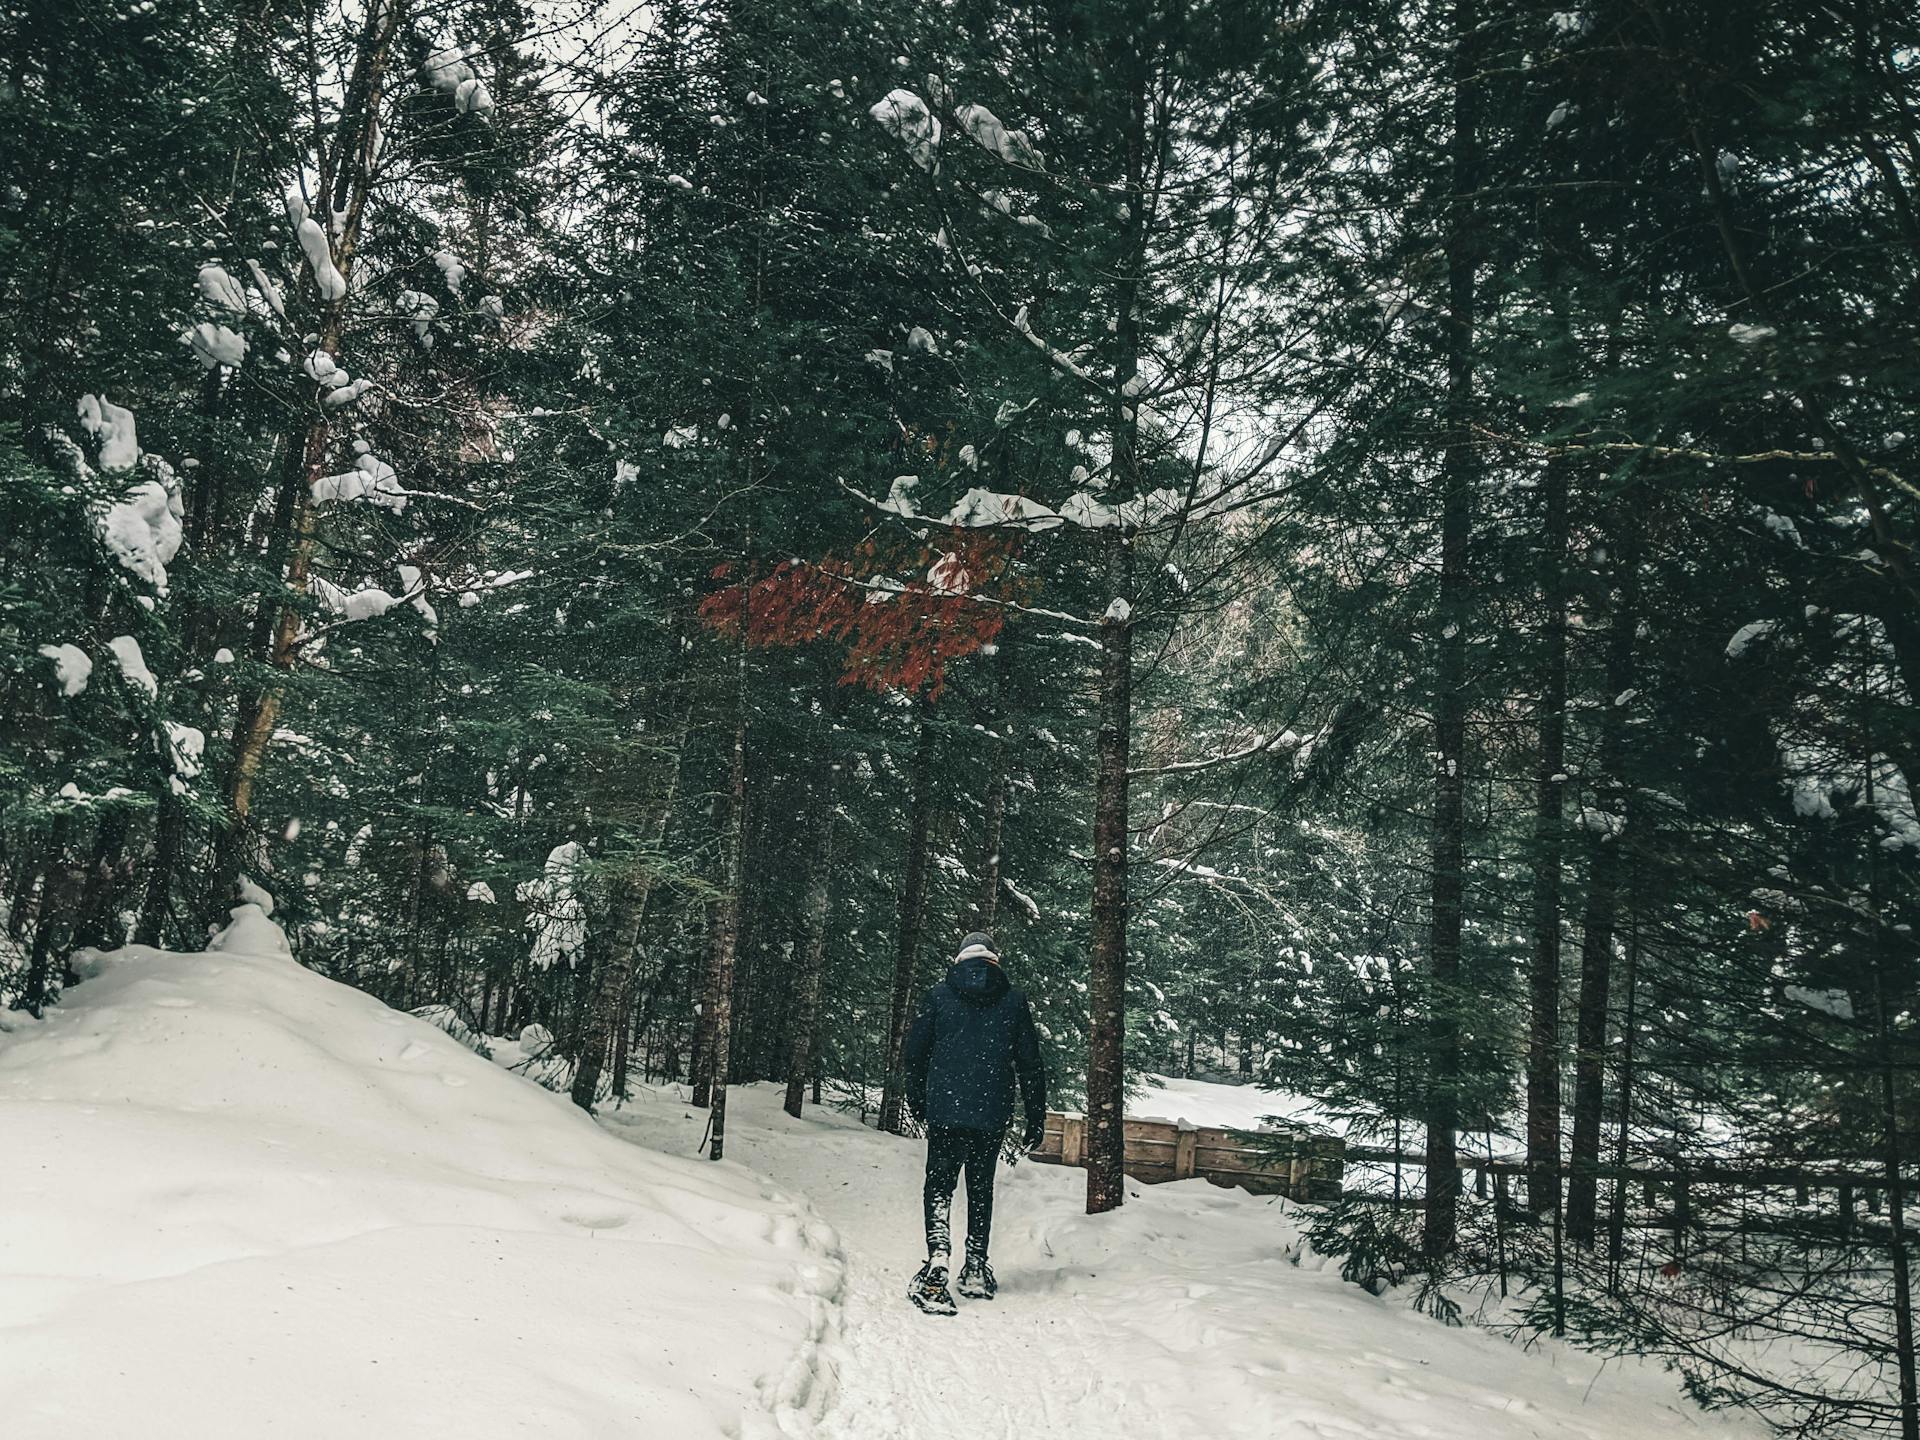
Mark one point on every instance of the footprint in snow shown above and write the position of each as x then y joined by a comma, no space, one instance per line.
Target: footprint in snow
174,1002
596,1222
454,1080
413,1051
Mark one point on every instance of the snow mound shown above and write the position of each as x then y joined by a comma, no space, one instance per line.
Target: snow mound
243,1200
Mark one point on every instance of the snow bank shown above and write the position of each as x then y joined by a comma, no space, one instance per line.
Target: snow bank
242,1200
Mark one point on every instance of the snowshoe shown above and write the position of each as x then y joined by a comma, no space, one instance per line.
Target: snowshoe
929,1291
976,1279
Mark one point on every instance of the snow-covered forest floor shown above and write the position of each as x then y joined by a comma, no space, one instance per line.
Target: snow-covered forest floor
1192,1312
243,1200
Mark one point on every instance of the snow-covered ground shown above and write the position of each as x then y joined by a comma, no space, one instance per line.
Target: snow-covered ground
239,1200
1191,1313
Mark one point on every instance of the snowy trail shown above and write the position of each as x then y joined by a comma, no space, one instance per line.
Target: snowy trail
1182,1317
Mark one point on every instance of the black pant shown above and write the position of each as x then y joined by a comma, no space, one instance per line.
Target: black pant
948,1150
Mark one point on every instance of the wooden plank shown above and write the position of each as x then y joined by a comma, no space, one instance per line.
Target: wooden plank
1183,1155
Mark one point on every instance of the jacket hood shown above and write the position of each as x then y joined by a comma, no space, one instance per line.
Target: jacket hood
977,981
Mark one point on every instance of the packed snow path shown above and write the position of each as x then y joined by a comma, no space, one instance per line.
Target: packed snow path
1183,1316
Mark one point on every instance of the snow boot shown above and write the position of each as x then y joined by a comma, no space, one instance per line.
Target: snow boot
976,1279
929,1291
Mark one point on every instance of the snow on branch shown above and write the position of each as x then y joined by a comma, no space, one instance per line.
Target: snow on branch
905,116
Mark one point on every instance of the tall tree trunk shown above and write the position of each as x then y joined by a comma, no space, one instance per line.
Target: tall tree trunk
986,906
1597,920
913,914
347,175
1107,982
1899,1246
700,1061
1623,1132
727,936
804,1022
1445,1001
1549,821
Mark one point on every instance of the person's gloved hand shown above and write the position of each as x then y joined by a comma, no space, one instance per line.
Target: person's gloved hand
1036,1132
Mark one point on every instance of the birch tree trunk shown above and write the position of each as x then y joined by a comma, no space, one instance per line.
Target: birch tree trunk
347,175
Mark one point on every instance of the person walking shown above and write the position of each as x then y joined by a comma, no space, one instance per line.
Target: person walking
973,1038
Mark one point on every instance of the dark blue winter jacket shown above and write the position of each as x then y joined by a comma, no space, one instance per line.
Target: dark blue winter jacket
973,1036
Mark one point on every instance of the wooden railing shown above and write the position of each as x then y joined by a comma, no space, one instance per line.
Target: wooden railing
1297,1164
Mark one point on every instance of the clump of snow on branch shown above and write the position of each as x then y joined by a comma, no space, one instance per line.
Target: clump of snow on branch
71,667
556,911
421,309
449,73
112,427
327,278
990,134
905,116
981,508
222,289
141,529
184,746
371,479
213,344
1744,637
133,665
451,270
269,291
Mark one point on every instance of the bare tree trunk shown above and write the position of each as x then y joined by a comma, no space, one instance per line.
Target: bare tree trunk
1597,923
993,824
805,1019
913,907
728,932
1549,819
700,1062
1441,1224
1107,981
1617,1218
1899,1253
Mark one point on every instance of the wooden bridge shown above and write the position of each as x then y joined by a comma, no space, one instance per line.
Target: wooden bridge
1297,1164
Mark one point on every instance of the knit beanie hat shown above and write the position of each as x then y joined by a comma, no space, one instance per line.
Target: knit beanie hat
978,943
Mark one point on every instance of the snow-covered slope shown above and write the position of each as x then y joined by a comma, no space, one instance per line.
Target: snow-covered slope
237,1199
1192,1314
